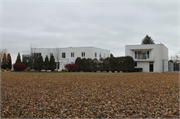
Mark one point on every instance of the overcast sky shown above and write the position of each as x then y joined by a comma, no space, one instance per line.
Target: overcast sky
109,25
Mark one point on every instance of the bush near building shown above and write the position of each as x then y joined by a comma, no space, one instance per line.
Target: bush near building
52,63
72,67
125,64
19,66
39,64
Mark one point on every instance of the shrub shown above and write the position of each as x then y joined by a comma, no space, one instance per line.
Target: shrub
52,63
7,69
138,69
28,69
3,70
39,64
19,66
72,67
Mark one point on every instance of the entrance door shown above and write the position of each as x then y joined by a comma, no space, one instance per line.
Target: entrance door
151,66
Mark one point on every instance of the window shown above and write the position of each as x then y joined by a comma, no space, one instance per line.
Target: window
141,54
104,55
100,55
63,55
57,65
83,54
135,54
95,54
148,54
72,54
72,63
135,64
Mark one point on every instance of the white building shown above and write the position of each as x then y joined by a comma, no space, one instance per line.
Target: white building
68,55
150,57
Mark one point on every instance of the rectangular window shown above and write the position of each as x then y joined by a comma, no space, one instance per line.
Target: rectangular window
63,55
72,54
141,54
57,65
100,55
83,54
135,54
148,54
135,64
95,54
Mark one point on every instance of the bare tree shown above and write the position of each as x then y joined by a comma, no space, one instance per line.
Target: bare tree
57,55
33,48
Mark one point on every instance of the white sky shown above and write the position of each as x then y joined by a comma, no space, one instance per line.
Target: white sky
109,24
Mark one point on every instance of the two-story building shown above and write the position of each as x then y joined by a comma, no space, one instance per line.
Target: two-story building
150,57
68,55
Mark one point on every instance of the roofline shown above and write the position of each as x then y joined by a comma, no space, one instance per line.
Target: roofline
147,44
75,47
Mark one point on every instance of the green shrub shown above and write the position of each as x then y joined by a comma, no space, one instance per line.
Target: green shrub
28,69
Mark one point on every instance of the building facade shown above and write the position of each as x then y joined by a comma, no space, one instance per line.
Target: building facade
150,57
68,55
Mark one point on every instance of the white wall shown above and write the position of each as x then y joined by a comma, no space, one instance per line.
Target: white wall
89,53
144,65
158,53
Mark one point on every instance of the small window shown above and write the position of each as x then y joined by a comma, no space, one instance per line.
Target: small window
72,54
83,54
135,64
63,55
148,54
95,54
100,55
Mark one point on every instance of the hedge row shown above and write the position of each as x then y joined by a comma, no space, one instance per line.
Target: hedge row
125,64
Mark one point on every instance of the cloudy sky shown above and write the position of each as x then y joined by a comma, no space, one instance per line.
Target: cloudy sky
105,24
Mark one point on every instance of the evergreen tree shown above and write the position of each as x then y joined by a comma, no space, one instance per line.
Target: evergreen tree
39,64
9,61
111,55
18,60
25,62
147,40
52,63
30,62
4,62
35,62
46,63
79,63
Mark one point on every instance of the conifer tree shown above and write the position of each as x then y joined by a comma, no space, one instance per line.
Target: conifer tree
9,61
30,62
147,40
25,62
52,63
4,62
46,63
18,60
39,64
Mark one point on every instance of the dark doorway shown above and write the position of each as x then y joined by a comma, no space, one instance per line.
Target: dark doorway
151,66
